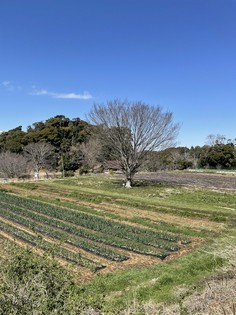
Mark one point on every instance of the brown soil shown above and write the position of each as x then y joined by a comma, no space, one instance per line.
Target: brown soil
129,212
211,181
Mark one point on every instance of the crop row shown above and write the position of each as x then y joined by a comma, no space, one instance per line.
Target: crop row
10,213
145,236
61,252
70,233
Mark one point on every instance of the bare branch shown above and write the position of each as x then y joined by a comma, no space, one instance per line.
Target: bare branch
13,165
90,151
133,130
39,155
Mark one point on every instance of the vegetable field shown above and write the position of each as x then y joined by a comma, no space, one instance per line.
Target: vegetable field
87,240
159,242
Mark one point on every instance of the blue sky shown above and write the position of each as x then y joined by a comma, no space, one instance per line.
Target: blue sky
58,57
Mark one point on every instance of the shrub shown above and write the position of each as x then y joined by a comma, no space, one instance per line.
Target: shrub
31,284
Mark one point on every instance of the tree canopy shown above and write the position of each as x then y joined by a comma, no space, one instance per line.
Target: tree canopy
132,136
133,129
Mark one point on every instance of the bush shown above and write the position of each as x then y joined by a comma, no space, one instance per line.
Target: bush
83,170
69,173
37,285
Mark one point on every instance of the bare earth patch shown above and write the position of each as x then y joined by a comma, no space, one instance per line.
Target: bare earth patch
211,181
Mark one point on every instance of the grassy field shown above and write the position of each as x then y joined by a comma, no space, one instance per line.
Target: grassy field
153,249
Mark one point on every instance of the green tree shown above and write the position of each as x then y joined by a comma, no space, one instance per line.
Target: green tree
12,140
221,156
64,134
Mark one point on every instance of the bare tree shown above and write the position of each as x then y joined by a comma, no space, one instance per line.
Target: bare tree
215,139
39,155
90,151
133,129
13,165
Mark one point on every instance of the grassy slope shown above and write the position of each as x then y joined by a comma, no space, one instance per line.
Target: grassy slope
173,281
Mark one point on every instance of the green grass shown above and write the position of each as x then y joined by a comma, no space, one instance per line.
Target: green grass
167,282
157,283
147,196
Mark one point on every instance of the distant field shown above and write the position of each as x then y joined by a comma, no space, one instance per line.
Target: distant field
120,239
202,178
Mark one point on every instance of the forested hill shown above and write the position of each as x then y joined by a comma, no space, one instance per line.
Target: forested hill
64,136
59,131
75,144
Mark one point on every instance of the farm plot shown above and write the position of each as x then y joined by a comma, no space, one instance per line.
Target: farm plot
33,222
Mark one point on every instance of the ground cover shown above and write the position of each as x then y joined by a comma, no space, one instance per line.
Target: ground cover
44,219
184,223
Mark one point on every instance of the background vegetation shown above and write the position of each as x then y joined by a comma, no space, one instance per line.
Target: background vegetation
74,145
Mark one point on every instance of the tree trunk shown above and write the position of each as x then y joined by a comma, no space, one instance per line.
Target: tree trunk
129,174
128,183
129,178
62,167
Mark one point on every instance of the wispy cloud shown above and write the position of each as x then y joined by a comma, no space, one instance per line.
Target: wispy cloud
9,86
6,83
84,96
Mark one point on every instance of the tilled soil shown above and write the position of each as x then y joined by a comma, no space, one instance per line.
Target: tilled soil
214,181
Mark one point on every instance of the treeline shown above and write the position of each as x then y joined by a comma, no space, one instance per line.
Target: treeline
53,144
67,145
59,131
217,155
